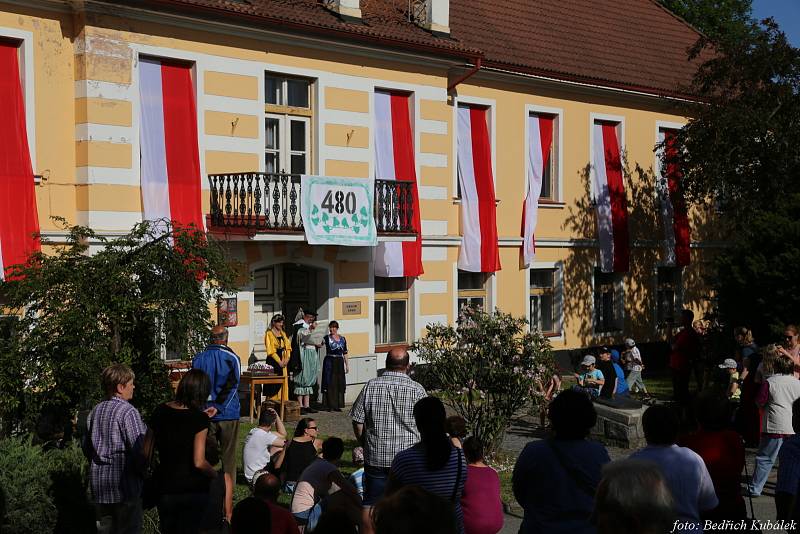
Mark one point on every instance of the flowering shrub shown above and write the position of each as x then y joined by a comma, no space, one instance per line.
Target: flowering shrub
486,368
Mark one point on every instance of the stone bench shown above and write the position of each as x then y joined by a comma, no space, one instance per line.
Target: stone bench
619,423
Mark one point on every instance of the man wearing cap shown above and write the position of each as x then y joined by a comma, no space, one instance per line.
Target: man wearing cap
590,380
734,391
604,365
634,365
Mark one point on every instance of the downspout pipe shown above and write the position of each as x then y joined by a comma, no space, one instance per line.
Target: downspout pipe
477,66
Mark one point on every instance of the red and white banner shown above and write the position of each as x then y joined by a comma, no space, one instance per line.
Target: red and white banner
169,152
394,160
479,252
540,140
673,206
610,200
19,222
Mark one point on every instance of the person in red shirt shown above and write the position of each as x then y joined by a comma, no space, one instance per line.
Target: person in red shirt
722,450
685,350
481,503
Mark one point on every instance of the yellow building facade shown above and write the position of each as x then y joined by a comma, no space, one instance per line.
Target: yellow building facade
314,93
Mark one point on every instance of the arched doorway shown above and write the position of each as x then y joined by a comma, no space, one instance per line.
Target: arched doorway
285,288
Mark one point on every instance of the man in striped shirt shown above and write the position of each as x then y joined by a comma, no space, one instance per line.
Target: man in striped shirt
383,422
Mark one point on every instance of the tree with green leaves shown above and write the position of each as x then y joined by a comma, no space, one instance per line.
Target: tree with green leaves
91,301
740,155
719,20
487,368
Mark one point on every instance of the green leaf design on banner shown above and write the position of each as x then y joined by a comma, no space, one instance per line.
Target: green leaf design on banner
363,222
315,221
326,228
335,222
314,209
355,218
325,217
363,211
357,229
344,224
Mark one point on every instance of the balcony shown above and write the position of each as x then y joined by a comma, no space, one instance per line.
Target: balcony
257,203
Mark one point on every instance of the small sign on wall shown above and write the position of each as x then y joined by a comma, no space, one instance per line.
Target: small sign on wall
227,312
351,308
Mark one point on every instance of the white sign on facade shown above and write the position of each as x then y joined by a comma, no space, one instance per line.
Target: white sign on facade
338,211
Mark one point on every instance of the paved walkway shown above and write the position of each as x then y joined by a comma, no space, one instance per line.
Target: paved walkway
526,428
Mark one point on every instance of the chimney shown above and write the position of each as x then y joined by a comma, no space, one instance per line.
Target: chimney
437,16
347,9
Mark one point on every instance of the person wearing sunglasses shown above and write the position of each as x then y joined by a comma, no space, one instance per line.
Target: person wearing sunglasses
300,452
790,346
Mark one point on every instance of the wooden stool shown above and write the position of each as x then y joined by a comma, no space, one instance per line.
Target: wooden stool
292,411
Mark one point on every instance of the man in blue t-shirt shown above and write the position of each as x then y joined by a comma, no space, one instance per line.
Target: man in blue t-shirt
622,386
590,380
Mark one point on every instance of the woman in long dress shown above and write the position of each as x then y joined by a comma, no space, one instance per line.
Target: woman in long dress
279,349
305,381
334,367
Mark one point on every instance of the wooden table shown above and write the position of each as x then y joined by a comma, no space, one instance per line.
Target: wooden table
283,381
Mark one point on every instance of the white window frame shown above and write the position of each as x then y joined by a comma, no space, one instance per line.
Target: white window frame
678,302
594,118
284,136
27,80
389,297
619,287
487,291
284,78
490,105
558,296
557,199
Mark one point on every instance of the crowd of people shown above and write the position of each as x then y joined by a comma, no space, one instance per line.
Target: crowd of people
416,458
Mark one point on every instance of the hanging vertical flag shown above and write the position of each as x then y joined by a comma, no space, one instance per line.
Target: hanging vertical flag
673,206
540,140
394,160
479,252
610,200
170,157
19,221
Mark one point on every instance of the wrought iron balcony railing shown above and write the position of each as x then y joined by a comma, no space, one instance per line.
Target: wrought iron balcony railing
257,202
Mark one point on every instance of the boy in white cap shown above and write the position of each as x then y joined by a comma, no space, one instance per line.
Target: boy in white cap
590,380
734,391
633,364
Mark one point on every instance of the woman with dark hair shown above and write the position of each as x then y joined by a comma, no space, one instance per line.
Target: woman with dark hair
334,367
299,453
434,463
555,479
748,419
483,509
183,475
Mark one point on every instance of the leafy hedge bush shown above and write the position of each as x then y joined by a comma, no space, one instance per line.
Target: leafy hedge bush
45,490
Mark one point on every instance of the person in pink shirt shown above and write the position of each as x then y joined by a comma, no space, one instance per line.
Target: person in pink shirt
483,509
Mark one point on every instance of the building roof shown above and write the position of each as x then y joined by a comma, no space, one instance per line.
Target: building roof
384,22
631,44
626,44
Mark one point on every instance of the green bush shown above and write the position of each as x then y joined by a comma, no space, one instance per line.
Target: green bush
487,368
45,491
